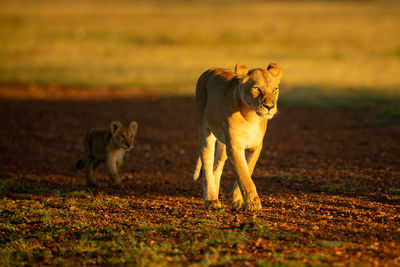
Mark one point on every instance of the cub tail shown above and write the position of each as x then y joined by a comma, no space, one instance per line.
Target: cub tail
80,165
198,171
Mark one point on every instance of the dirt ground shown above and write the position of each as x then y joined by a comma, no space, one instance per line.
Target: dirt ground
329,180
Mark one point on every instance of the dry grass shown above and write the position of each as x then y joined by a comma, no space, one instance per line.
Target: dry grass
165,46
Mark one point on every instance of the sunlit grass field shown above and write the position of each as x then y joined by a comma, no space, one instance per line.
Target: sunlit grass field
163,46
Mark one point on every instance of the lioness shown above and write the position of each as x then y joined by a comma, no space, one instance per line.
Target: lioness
233,109
108,146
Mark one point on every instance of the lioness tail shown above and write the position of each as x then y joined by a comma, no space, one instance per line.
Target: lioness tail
198,170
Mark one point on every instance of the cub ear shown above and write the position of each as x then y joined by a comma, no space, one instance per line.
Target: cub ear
133,126
275,70
241,70
115,127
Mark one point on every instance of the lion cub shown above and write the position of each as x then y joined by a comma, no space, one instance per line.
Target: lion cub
108,146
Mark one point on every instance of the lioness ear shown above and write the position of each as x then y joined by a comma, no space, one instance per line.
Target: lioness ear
241,70
133,126
115,127
275,70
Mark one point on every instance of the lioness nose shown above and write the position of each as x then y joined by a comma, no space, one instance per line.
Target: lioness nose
269,106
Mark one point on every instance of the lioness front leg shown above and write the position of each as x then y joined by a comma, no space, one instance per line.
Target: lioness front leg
243,179
252,156
237,198
207,147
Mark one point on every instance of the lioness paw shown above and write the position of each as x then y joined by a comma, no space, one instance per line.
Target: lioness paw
212,204
253,205
237,204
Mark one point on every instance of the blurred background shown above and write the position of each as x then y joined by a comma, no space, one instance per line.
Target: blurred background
326,48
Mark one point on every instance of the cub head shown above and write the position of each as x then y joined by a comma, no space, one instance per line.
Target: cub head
259,88
124,136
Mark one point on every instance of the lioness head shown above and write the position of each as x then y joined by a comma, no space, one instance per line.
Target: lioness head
124,136
259,88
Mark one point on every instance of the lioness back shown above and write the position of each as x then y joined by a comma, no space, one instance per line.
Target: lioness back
215,80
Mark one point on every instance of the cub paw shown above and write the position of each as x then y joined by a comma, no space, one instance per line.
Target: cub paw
237,204
91,185
115,185
253,205
212,204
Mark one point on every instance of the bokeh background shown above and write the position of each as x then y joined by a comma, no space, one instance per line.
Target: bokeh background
324,47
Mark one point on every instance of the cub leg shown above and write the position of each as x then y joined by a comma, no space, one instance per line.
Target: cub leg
219,162
243,179
206,148
112,168
118,163
90,172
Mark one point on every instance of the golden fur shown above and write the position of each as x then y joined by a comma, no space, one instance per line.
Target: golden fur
233,108
107,146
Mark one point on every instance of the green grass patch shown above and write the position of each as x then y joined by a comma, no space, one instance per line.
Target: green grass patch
144,254
162,228
218,237
214,258
329,244
106,230
393,194
293,259
25,190
346,185
12,186
273,236
74,194
254,225
279,263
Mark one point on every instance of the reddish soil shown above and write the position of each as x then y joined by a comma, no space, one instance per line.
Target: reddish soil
323,175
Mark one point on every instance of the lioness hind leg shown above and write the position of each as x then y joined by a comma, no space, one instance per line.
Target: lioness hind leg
206,148
219,162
